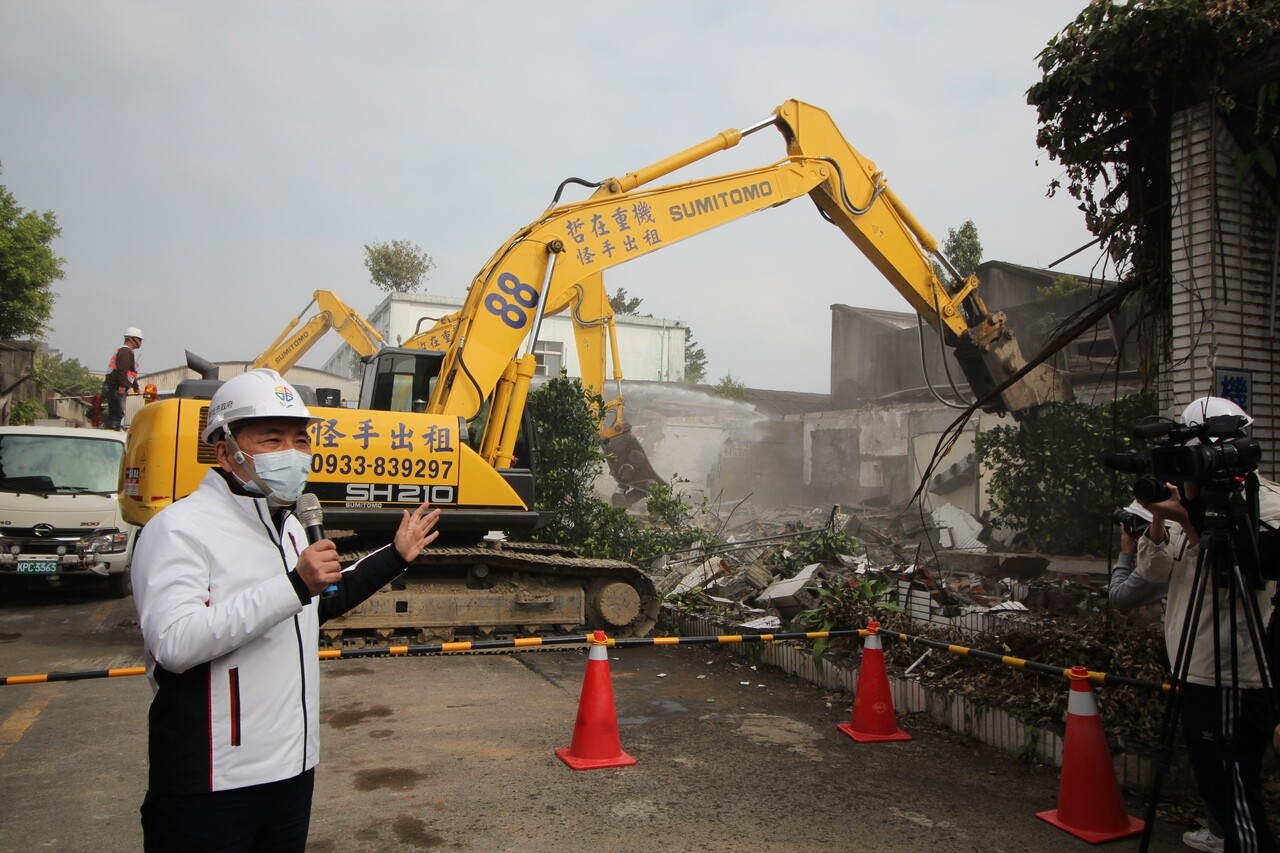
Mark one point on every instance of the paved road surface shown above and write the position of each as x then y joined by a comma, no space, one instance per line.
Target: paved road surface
457,753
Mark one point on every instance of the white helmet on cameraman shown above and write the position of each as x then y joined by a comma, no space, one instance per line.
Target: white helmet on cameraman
1201,410
260,393
133,332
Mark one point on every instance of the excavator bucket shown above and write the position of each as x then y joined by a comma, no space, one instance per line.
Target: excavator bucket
630,467
989,354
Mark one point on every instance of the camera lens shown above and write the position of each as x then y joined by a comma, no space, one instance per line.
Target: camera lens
1149,490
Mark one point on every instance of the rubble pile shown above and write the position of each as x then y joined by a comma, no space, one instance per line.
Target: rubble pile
931,574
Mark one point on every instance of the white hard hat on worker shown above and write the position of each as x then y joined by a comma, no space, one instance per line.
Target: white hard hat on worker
261,394
1201,410
133,332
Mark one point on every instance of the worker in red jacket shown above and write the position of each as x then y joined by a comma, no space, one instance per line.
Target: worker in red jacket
122,376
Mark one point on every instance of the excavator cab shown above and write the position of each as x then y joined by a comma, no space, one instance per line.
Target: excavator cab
400,380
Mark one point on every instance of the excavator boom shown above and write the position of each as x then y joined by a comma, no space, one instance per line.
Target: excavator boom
558,261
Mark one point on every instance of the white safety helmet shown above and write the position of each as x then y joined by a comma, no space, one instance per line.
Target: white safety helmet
133,332
1205,408
260,393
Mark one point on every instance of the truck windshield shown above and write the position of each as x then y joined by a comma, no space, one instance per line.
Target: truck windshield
59,463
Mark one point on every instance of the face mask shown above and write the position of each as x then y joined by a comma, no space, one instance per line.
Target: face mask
283,472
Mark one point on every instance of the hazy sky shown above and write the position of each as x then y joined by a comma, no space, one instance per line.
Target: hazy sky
213,163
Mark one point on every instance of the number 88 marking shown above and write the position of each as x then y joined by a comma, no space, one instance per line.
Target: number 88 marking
523,295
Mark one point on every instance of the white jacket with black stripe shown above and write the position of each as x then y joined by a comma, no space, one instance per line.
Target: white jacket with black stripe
232,639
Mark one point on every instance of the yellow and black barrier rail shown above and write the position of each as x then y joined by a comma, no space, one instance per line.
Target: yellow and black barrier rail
600,639
446,648
1007,660
44,678
1031,666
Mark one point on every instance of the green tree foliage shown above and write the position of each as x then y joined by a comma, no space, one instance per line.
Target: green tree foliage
624,304
26,412
695,360
730,388
569,458
28,269
963,248
398,266
1063,285
1046,476
64,375
1112,80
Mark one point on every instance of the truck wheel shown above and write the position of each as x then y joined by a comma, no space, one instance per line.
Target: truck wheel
120,585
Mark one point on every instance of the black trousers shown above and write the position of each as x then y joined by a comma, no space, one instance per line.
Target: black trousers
1227,734
270,818
115,407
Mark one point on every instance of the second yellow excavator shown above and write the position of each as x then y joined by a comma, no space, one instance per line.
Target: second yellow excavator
331,313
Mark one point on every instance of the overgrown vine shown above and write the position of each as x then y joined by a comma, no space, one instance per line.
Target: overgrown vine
1113,79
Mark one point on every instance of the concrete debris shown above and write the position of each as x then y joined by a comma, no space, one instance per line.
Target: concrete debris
1011,605
957,529
689,576
858,564
940,566
746,583
794,594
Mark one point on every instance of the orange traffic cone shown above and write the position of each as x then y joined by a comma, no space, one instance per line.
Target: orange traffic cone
873,718
595,733
1089,802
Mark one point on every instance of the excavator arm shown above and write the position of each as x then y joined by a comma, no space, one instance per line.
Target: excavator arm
556,262
332,313
905,253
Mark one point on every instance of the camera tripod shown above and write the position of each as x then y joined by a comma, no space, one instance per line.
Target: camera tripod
1230,588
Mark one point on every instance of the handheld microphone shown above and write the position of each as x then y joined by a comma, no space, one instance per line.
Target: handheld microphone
312,517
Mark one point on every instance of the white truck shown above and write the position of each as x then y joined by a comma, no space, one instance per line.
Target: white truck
59,513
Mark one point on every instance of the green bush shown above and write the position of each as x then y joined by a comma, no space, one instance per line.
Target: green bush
826,546
25,413
1047,476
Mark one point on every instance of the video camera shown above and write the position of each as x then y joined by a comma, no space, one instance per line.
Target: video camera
1221,451
1222,461
1133,524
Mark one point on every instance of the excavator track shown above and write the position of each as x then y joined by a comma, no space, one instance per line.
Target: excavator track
493,591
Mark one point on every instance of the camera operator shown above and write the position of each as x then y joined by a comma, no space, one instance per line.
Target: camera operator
1128,589
1227,716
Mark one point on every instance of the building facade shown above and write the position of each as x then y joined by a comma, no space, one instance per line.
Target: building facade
1224,261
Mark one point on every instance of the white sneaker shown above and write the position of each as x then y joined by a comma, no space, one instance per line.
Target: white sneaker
1204,839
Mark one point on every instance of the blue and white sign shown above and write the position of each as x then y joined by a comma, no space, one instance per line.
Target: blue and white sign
1235,385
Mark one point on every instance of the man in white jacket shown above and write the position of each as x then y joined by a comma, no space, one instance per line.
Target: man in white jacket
227,589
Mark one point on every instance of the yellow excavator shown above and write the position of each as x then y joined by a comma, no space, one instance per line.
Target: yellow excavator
331,314
447,423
